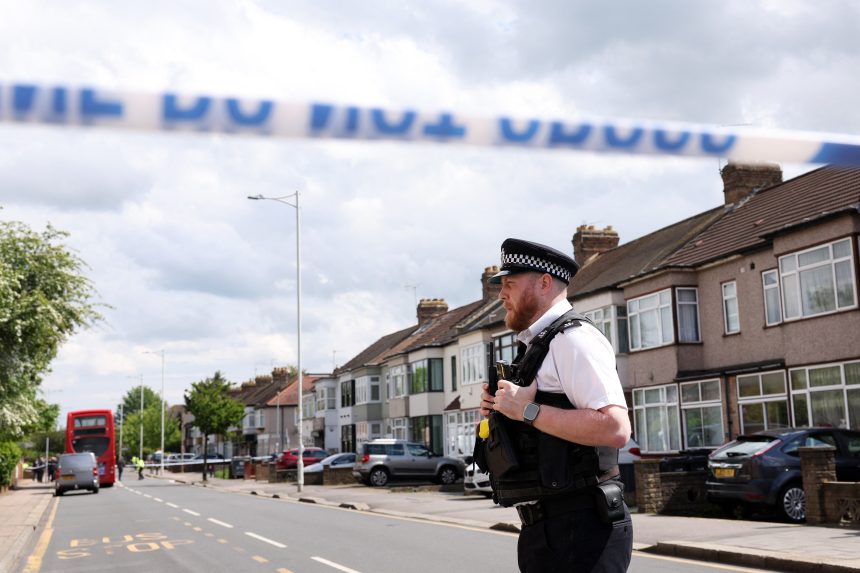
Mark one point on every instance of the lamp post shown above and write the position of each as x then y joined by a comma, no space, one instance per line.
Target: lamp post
161,352
121,423
300,466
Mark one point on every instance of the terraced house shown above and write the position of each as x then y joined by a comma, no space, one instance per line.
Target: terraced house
740,318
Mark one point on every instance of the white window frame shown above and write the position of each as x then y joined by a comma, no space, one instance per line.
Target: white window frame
399,387
679,303
460,432
803,388
771,274
665,398
662,309
400,428
702,404
790,274
364,390
761,397
729,300
473,362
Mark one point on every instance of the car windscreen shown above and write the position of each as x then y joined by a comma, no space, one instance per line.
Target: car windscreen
745,446
98,446
76,462
384,449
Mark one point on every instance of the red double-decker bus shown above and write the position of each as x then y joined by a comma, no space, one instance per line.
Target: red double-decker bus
92,431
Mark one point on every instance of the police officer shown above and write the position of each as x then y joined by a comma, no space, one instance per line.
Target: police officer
563,425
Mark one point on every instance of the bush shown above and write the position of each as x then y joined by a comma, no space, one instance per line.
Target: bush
10,454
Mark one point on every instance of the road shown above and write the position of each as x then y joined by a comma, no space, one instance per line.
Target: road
159,526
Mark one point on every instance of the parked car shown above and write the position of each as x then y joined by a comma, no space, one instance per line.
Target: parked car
335,461
629,453
383,459
76,471
763,469
476,481
289,459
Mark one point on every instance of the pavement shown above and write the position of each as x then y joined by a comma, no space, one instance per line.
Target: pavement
758,544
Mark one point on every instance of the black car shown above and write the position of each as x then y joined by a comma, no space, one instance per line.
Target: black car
763,469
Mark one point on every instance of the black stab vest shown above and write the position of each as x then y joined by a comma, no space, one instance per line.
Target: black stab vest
546,466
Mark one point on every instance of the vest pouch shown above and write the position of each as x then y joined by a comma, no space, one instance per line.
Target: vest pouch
499,455
557,458
609,501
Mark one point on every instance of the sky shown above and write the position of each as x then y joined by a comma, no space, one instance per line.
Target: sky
184,263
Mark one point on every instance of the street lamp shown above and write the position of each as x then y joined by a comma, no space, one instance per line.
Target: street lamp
300,466
162,403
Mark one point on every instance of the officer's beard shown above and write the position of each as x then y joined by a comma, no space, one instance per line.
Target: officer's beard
521,316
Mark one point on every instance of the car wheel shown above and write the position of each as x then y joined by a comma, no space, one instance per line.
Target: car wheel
95,490
447,475
378,477
792,503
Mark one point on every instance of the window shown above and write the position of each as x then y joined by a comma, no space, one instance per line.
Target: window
397,375
400,428
688,315
366,389
763,401
505,348
427,430
453,374
365,431
818,281
425,376
261,418
650,320
474,364
772,307
347,393
703,414
655,415
320,398
731,317
460,428
308,402
612,322
826,396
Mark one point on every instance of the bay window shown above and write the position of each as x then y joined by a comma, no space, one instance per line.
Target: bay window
818,280
655,416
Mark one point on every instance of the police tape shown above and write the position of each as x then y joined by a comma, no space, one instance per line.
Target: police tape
67,106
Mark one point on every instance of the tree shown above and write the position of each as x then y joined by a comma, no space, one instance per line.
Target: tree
44,299
213,409
151,430
131,402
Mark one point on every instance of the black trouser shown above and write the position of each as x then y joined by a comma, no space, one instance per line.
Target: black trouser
577,541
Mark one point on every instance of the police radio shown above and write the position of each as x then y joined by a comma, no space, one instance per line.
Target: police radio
503,371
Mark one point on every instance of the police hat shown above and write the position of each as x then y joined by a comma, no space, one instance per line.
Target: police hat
520,256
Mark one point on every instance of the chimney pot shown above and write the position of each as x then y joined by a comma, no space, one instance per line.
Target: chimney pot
589,242
742,179
430,308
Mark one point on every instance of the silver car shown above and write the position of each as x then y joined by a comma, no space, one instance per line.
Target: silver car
383,459
76,471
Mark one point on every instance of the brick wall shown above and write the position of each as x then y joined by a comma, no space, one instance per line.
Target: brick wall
672,493
827,500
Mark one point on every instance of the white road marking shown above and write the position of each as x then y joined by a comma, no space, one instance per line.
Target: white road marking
194,513
147,495
261,538
158,499
335,565
172,505
221,523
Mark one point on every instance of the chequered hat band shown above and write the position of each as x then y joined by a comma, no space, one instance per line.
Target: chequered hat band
537,263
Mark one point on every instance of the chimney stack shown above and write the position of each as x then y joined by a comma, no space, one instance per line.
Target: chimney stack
430,308
739,179
589,241
490,291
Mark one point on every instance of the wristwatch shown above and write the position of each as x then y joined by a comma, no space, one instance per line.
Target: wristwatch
530,412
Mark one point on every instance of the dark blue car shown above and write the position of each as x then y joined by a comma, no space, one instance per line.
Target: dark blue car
763,469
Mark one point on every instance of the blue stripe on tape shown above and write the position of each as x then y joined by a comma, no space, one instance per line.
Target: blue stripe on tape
839,153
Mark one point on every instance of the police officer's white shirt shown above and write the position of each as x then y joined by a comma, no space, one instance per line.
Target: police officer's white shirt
580,363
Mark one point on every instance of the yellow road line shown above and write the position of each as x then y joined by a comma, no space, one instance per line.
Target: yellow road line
34,561
284,570
259,559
